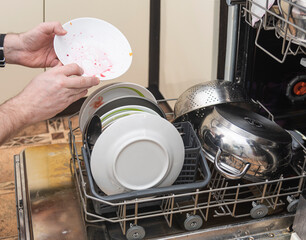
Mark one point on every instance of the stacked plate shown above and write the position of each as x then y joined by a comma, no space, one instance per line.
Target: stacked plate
136,148
107,94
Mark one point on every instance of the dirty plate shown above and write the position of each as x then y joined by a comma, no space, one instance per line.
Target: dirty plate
108,93
96,46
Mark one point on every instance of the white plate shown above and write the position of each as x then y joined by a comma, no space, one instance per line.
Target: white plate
96,46
105,94
116,116
137,152
89,97
127,108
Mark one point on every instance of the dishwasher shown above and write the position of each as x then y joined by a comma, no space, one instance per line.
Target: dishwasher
212,207
201,204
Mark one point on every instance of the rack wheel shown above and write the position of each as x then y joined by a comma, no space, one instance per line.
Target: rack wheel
293,203
258,210
193,222
135,233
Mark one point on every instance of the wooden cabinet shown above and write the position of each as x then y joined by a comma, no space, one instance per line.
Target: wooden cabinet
19,16
189,44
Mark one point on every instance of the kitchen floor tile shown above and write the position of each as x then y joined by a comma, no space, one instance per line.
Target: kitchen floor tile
35,129
7,163
10,238
8,220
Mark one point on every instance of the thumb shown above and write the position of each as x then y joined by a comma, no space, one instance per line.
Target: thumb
56,63
58,29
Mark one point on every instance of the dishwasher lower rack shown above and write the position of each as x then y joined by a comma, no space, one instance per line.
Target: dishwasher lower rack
185,182
221,198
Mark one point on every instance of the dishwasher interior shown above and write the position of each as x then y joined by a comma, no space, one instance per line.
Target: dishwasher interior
200,199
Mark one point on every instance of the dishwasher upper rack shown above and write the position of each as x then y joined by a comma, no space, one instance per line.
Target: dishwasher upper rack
282,24
221,198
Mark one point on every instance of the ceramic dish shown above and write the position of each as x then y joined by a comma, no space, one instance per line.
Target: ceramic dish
125,109
137,152
115,117
96,46
120,102
106,94
127,101
90,96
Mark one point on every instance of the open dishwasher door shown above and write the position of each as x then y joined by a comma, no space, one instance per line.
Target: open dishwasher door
46,200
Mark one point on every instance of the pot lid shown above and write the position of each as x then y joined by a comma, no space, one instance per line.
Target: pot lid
253,123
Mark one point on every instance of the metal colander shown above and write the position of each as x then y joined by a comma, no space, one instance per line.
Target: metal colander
208,94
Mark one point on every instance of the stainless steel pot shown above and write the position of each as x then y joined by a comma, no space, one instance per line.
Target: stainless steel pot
244,144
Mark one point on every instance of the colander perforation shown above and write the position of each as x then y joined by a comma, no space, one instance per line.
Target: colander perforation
211,93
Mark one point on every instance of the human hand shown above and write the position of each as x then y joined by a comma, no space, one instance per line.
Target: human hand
35,47
52,91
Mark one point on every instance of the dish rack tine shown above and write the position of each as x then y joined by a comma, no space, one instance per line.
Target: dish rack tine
136,212
264,192
267,52
168,210
171,215
280,183
217,194
301,183
196,202
236,198
208,205
223,195
304,164
123,217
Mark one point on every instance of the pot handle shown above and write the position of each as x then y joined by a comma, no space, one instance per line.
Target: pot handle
226,173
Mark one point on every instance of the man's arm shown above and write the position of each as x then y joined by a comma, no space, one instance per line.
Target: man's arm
46,95
50,92
35,47
11,120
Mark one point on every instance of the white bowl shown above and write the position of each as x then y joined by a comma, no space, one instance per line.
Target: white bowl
96,46
137,152
108,93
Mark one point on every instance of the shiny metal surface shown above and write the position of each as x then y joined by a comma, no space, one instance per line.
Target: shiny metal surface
49,197
208,94
270,228
244,144
299,224
22,199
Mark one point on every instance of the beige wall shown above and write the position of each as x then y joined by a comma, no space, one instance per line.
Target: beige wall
18,16
189,37
189,44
